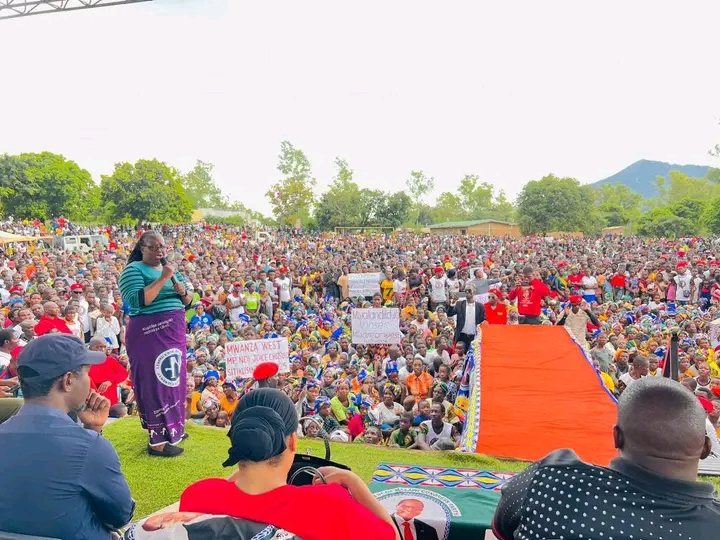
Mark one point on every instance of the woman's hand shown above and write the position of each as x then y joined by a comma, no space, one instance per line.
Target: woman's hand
180,288
333,475
168,271
358,490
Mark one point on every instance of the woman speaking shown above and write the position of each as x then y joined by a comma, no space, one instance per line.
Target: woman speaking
264,440
156,344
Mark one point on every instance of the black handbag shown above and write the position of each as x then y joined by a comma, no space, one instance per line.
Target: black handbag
305,467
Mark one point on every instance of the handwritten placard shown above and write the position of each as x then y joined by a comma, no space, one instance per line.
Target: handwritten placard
242,357
374,326
364,284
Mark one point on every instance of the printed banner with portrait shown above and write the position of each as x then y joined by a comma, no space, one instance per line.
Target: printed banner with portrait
438,503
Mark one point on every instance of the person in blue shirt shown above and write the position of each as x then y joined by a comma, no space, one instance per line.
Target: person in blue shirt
201,319
61,478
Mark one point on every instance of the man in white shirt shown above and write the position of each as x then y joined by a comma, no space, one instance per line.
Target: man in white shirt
284,285
8,341
77,294
640,368
469,314
684,284
438,288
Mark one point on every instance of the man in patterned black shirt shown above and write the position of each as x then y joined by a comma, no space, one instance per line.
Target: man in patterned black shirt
650,491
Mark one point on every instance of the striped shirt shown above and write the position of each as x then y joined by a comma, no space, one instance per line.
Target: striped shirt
135,277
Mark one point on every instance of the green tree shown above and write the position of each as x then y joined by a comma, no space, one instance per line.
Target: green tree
557,204
448,207
418,186
369,207
46,185
691,209
662,223
396,209
340,205
712,216
503,209
148,190
476,197
292,197
618,204
713,176
201,189
681,186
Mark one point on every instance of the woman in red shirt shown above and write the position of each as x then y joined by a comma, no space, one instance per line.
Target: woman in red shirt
263,439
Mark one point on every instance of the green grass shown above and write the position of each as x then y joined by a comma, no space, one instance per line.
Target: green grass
157,482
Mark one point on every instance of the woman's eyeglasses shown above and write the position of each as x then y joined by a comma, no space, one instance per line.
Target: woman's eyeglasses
155,248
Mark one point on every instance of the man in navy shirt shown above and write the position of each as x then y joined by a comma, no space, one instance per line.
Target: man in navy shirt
60,479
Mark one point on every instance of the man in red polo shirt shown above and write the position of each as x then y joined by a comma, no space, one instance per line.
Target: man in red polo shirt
529,293
495,311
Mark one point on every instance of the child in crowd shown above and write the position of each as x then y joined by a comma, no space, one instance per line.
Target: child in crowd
404,436
423,412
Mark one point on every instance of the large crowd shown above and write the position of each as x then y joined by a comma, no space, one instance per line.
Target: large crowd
620,297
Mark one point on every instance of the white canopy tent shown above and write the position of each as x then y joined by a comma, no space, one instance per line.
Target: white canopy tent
6,238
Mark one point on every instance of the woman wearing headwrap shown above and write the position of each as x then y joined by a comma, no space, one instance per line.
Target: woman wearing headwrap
342,404
212,390
263,439
439,393
306,405
156,342
331,358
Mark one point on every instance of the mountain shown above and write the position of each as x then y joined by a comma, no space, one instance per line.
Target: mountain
640,176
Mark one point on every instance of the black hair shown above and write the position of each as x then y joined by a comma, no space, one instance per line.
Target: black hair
706,393
35,389
136,253
6,335
658,413
262,420
407,416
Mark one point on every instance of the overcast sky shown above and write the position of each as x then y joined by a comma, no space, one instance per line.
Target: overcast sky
507,90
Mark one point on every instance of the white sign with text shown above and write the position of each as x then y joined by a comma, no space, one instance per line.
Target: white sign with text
242,357
364,284
376,326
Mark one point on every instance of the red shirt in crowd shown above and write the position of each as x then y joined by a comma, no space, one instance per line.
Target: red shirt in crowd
47,324
497,314
113,371
575,281
356,426
618,281
346,519
530,297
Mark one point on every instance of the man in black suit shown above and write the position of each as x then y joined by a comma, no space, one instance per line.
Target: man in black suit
411,528
469,314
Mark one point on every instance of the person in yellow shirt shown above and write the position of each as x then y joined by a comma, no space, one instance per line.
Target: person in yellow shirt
229,400
193,410
709,355
326,330
409,312
386,287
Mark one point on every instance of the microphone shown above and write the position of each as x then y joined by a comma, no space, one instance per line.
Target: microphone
164,261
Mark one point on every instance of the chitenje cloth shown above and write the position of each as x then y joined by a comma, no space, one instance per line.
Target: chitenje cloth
157,350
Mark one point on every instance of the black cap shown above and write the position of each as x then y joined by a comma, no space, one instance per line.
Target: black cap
52,355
